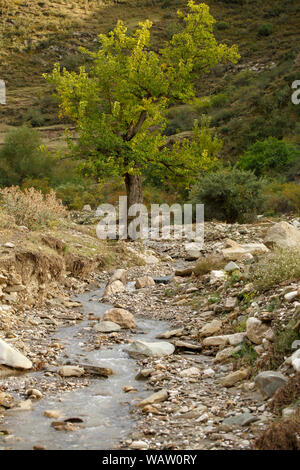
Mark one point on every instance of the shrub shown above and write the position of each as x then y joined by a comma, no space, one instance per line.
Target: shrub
286,395
229,195
282,435
221,25
30,207
22,157
269,157
265,29
281,265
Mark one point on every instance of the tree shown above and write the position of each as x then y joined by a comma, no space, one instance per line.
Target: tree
22,157
120,104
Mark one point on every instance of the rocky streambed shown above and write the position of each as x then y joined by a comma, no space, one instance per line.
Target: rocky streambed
95,416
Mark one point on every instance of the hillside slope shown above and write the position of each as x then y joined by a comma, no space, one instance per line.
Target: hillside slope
251,100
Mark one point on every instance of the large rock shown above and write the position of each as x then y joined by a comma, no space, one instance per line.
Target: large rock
211,328
145,281
120,316
234,377
269,381
106,327
283,235
235,251
223,340
256,330
215,341
235,338
240,420
13,358
119,275
217,276
157,397
158,349
114,288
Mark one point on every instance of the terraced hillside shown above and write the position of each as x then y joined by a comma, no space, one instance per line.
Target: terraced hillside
249,101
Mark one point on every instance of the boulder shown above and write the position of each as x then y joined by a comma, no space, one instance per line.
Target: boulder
12,358
114,288
217,276
119,275
157,397
193,251
283,235
120,316
240,420
106,327
235,251
211,328
256,330
145,281
234,377
235,338
215,341
269,381
158,349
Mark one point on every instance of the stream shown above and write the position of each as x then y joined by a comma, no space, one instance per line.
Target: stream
103,406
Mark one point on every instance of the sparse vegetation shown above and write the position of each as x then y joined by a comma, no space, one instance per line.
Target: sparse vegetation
276,267
31,208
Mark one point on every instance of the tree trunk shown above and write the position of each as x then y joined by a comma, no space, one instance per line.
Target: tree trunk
134,192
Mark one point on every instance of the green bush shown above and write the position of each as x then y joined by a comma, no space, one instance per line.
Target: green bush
22,156
265,29
221,25
272,156
229,194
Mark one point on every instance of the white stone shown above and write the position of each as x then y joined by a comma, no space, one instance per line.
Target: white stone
70,371
142,348
283,235
217,276
106,327
13,358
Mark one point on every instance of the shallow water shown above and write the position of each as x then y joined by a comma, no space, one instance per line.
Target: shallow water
103,406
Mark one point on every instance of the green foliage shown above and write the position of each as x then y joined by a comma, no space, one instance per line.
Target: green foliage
269,157
247,353
22,156
229,194
221,25
265,29
285,335
120,104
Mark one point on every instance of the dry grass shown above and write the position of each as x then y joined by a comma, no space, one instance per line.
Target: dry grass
286,395
280,266
282,435
205,265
